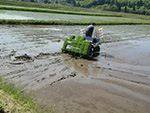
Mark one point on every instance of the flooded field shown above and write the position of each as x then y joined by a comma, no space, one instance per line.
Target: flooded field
25,15
117,83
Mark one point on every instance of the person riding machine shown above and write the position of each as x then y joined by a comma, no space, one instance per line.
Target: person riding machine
84,46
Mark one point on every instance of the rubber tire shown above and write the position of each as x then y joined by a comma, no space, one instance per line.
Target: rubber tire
91,52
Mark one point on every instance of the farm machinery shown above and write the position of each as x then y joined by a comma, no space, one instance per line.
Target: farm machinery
82,45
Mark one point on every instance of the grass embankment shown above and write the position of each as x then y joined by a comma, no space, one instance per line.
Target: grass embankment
70,8
54,11
130,19
47,6
51,22
15,100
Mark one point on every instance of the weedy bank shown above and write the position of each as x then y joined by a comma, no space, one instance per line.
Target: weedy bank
15,100
53,22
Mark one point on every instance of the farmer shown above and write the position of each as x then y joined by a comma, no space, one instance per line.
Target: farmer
89,30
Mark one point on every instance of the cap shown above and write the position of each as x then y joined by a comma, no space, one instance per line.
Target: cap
93,23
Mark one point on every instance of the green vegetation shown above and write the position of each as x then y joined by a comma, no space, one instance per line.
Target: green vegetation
68,8
15,100
54,11
49,22
47,6
128,6
98,16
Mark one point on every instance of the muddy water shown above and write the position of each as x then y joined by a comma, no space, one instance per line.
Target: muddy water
118,81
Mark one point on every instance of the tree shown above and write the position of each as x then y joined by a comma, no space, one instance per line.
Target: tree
56,2
114,8
119,7
32,0
78,4
100,2
141,10
125,9
107,1
112,2
73,2
106,7
133,6
140,3
147,12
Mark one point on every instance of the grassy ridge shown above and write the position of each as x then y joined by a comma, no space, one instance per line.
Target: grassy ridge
15,100
54,11
49,22
51,8
47,6
68,8
18,95
105,20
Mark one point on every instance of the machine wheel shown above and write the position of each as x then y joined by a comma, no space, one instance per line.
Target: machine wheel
97,49
81,55
63,51
91,52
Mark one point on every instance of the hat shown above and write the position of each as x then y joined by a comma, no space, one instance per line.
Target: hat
93,23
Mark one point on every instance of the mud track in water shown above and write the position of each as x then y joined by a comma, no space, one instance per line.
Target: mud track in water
117,81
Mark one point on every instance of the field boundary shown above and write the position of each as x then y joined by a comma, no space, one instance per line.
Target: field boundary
15,100
51,22
54,11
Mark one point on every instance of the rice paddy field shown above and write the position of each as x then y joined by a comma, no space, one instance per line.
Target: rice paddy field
63,17
30,55
117,81
7,14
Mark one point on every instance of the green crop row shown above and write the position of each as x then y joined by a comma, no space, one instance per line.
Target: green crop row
51,22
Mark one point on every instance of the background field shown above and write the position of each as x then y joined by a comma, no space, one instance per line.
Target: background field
64,15
23,15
